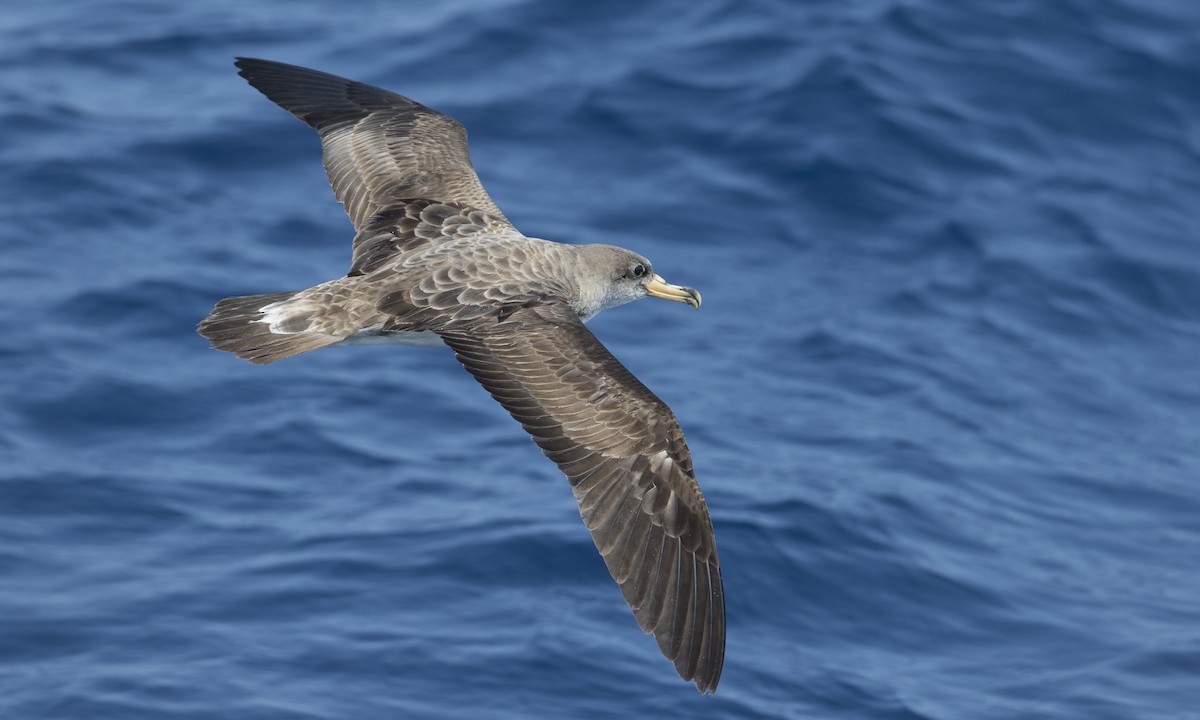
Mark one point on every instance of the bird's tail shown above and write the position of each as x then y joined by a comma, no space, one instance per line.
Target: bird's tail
256,328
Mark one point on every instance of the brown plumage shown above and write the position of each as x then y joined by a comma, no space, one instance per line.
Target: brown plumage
435,262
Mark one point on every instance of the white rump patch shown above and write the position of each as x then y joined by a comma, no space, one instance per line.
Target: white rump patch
274,315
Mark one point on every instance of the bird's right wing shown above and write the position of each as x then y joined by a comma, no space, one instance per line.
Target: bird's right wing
625,457
380,148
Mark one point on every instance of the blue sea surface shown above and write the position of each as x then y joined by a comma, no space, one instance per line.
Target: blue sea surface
943,396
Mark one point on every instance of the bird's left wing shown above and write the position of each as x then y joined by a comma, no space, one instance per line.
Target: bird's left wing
625,457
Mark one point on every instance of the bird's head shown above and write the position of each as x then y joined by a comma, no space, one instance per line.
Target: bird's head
620,276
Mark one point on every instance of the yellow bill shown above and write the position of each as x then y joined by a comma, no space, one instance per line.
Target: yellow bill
659,288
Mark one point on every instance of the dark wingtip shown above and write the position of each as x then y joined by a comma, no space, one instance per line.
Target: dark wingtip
241,63
318,98
707,683
249,67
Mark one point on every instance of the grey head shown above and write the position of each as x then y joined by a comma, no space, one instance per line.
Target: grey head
609,276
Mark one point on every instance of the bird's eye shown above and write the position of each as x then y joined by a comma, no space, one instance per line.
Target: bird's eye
639,270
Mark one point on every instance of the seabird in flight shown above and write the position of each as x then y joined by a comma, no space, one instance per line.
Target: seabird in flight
436,262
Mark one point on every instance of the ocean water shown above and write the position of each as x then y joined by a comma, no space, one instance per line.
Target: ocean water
943,396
